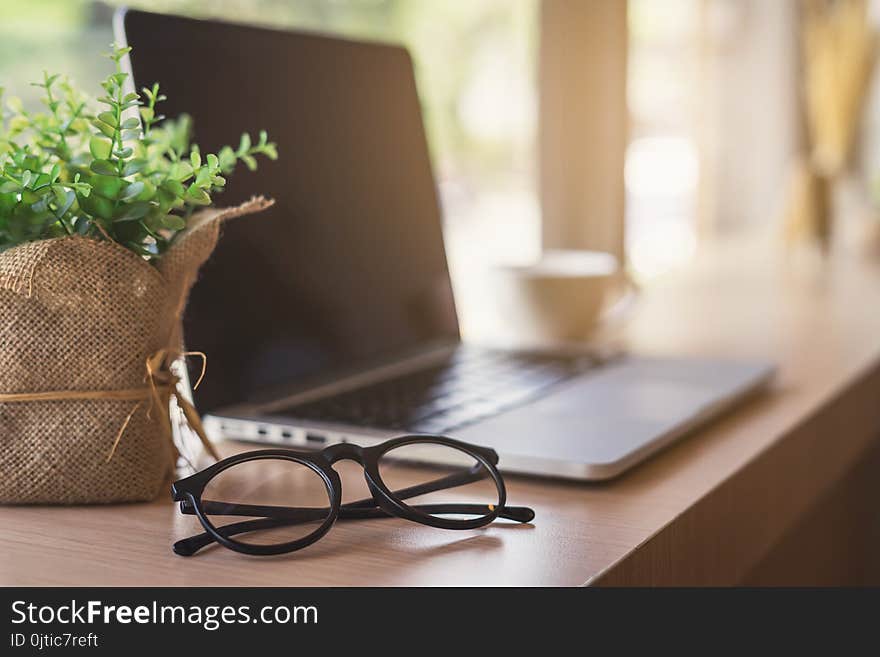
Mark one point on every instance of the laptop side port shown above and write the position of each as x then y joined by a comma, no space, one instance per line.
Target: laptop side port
315,438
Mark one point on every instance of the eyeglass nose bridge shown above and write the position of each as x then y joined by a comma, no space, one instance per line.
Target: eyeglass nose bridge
344,451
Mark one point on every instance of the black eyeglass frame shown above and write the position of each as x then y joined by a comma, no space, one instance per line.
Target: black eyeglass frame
189,491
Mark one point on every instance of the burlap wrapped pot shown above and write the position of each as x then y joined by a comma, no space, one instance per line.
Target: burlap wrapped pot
80,419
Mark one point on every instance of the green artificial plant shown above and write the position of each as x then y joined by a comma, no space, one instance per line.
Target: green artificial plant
122,173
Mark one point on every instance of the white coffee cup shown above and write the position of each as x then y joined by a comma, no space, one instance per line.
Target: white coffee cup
558,298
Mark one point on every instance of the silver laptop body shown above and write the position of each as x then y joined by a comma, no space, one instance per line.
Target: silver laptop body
339,295
591,427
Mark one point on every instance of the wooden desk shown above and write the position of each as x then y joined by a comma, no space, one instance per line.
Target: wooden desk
781,491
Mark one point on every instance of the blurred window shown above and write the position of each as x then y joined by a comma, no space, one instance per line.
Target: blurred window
474,64
662,162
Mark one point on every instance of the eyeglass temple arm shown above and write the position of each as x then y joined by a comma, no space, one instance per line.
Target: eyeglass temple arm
347,511
279,516
443,483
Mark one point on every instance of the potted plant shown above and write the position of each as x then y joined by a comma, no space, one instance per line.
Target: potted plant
105,218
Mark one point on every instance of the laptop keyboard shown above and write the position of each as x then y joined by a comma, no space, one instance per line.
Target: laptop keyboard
471,385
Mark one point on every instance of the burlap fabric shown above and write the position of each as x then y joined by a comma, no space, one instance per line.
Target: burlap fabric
78,314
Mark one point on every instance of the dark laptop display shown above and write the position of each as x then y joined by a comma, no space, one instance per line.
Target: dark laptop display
349,265
349,270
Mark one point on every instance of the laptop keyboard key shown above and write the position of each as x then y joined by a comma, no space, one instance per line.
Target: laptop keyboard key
471,384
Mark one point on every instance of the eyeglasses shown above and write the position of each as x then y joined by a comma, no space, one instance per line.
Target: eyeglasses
261,485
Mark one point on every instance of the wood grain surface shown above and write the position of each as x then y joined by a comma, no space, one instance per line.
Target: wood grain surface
709,510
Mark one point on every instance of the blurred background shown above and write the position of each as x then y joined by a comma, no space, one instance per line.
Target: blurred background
640,127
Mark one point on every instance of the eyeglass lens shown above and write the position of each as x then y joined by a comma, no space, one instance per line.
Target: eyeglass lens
289,499
453,478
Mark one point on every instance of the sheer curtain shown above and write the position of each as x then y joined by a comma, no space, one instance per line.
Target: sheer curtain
753,124
696,144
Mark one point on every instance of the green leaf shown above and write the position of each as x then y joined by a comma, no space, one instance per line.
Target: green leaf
26,177
227,159
41,183
180,171
40,207
174,187
204,179
195,159
103,167
109,118
132,167
147,114
245,144
100,206
107,186
197,195
104,128
133,190
133,212
148,192
130,123
249,162
9,187
65,201
100,148
123,153
18,123
173,222
60,195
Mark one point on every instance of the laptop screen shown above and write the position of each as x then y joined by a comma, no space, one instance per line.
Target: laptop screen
348,267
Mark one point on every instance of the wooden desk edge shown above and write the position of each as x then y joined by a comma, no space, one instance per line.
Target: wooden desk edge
717,539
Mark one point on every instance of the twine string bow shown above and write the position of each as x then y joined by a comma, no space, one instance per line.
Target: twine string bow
160,386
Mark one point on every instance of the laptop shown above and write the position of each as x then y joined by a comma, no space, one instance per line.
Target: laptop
330,317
